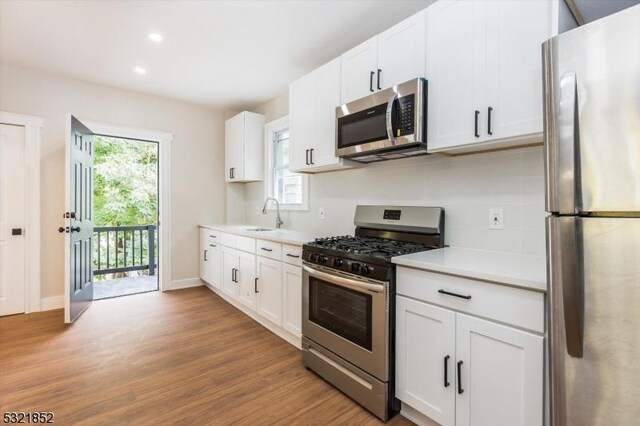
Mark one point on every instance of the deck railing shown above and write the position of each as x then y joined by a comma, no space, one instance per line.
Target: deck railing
124,249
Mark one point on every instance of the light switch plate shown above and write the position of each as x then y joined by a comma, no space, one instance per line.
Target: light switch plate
496,219
321,213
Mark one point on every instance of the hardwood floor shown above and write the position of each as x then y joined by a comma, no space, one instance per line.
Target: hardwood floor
181,357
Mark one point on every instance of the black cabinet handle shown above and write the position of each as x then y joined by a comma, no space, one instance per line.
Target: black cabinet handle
371,74
212,236
448,293
477,115
293,255
311,156
306,157
212,245
460,390
379,74
255,285
489,111
446,371
205,255
233,275
75,229
265,249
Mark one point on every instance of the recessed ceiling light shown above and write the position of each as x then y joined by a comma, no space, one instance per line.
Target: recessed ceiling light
140,70
155,37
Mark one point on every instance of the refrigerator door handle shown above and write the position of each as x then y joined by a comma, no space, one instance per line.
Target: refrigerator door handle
568,168
565,236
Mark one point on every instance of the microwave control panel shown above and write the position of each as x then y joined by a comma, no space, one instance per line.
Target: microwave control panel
405,117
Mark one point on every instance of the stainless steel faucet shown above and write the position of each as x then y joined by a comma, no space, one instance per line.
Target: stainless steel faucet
279,221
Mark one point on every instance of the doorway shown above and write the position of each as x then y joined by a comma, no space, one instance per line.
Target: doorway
125,216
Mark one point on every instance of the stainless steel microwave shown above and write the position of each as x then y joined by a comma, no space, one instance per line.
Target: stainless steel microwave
391,123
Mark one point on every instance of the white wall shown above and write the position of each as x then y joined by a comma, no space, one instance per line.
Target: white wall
466,186
197,155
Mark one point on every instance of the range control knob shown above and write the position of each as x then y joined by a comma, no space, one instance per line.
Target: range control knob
337,263
313,257
364,270
322,258
355,267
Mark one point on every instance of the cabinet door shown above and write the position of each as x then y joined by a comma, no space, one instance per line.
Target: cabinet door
425,344
455,70
269,288
229,266
358,69
501,374
515,32
401,52
234,148
214,265
292,299
245,278
327,99
302,120
204,256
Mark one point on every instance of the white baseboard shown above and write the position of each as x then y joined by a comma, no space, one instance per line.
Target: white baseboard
186,283
50,303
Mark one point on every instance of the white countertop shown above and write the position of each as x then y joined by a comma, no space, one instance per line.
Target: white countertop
285,236
504,268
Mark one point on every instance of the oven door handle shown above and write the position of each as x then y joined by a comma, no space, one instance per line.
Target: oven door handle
343,281
390,135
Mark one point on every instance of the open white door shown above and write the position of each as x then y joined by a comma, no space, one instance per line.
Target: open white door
78,227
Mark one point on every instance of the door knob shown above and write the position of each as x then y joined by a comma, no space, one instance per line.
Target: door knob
75,229
62,230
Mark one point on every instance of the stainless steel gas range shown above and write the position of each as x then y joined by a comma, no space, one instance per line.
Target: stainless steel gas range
348,300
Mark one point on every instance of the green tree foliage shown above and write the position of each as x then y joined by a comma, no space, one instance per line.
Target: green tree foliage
126,182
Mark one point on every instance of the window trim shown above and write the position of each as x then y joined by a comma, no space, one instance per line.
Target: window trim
269,130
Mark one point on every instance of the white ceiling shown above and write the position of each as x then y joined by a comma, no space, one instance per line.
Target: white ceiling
230,54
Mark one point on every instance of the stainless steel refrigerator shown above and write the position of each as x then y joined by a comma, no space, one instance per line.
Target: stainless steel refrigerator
592,150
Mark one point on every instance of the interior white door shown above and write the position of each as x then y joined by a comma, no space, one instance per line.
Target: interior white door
515,32
269,287
229,267
246,279
425,359
501,374
292,299
455,70
79,220
401,52
12,219
359,67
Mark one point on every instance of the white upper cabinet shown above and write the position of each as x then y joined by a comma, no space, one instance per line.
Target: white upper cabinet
484,67
244,147
392,57
312,110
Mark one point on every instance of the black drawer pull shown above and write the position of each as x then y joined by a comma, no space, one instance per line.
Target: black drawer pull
461,296
295,256
446,371
460,390
265,249
212,245
213,236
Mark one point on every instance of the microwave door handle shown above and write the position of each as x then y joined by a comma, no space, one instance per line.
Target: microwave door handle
390,135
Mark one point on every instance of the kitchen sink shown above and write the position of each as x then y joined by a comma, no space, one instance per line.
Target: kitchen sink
258,229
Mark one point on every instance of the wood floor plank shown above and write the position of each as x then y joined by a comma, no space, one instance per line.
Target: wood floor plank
181,357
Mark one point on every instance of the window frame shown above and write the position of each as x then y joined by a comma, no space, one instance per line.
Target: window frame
270,129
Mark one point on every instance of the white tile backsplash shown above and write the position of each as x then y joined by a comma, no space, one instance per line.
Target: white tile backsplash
466,186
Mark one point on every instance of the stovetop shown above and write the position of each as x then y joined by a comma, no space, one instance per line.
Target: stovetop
380,248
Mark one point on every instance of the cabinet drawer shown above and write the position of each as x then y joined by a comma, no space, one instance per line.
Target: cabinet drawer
213,237
228,240
522,308
269,249
292,254
247,244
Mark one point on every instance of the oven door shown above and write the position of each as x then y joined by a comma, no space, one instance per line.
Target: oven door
348,316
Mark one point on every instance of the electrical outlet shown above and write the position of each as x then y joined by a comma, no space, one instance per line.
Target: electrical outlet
496,219
257,209
321,213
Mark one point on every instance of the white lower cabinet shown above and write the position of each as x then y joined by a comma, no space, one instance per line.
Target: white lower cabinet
461,370
267,286
269,289
292,299
245,278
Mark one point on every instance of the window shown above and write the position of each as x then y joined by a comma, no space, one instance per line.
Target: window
290,189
